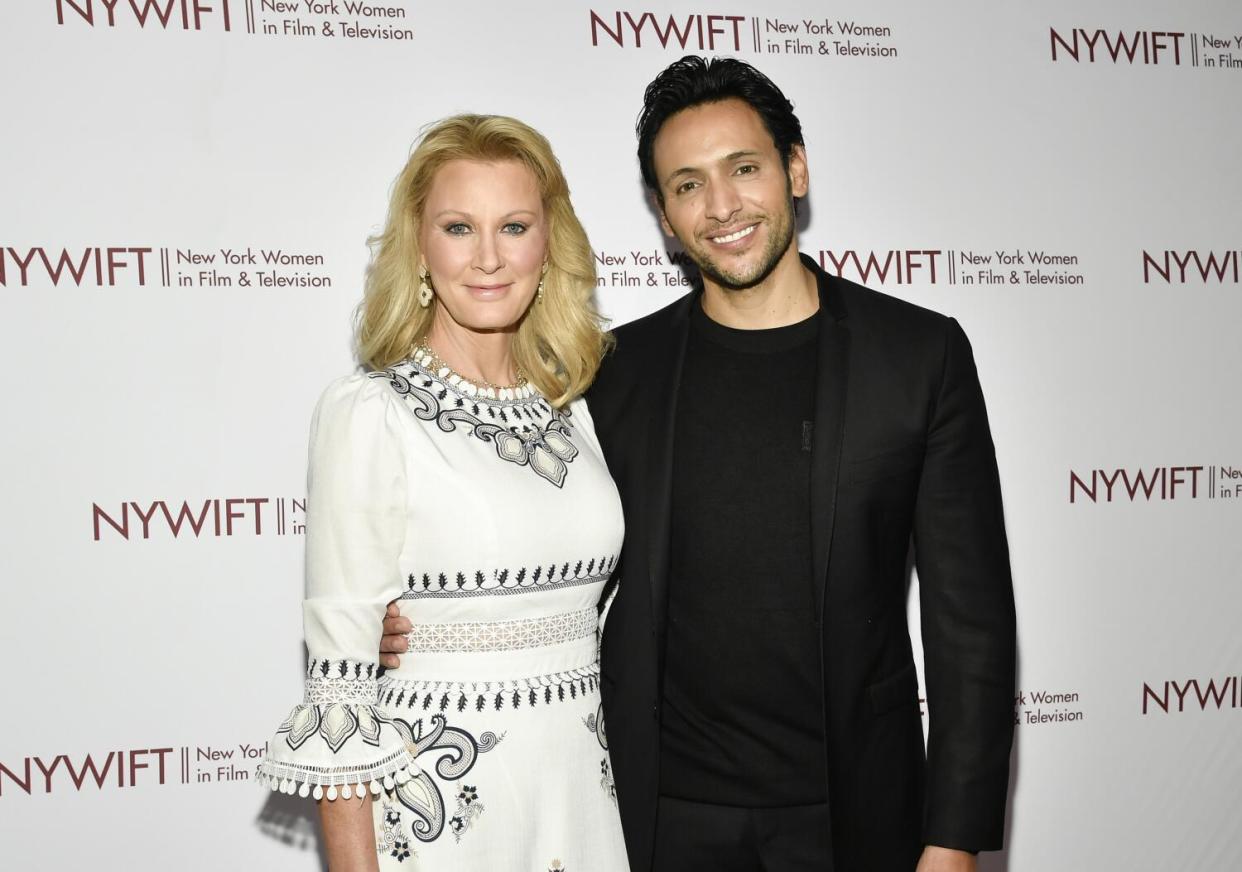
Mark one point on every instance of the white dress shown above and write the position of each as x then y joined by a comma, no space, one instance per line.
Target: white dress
495,522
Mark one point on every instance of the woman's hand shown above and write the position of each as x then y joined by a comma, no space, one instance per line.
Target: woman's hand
393,641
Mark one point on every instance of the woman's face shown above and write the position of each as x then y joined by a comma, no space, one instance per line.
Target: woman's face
484,239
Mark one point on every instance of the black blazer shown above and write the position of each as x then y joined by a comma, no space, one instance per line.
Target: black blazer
901,450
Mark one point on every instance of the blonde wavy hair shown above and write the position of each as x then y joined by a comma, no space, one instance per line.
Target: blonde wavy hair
559,342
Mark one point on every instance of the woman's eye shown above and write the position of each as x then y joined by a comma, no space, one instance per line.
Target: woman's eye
516,228
457,229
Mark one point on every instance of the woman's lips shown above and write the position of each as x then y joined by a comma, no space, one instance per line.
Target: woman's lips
488,292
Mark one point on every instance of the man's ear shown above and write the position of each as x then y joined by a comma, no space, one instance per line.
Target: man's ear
658,206
799,175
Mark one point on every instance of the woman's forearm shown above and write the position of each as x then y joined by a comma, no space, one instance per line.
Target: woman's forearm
349,834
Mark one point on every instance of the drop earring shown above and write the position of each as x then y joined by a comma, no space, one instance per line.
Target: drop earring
425,291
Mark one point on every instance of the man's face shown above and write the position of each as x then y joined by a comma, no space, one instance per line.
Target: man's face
727,197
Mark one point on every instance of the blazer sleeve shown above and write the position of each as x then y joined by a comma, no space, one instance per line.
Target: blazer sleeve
355,523
967,606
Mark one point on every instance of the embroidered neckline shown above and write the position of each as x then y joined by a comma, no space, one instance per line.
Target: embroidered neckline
525,431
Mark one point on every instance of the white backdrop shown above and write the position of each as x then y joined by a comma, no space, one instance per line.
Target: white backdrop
187,186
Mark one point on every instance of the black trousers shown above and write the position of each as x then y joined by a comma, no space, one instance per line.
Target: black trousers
693,836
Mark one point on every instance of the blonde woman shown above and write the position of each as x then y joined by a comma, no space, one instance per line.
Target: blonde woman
461,474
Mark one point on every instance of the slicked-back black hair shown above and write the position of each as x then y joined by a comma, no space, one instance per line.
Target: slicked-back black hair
693,81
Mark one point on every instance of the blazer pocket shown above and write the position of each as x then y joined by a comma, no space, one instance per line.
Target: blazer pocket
900,688
889,463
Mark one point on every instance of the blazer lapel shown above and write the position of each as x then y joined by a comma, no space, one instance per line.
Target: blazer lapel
829,434
665,383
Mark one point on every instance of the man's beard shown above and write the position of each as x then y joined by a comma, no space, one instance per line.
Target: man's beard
779,239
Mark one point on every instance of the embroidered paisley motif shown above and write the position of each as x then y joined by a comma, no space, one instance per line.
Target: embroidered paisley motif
454,752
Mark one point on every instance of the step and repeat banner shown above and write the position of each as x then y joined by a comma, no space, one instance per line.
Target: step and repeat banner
185,195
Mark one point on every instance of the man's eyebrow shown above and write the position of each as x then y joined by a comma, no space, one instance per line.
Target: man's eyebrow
684,171
728,158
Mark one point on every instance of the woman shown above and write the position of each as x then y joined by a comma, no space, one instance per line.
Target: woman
462,475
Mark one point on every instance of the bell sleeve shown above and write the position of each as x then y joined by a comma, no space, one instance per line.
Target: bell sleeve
338,742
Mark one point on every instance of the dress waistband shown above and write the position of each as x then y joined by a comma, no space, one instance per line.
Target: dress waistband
506,651
515,635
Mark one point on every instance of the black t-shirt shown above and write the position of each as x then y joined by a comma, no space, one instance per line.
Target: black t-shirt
742,720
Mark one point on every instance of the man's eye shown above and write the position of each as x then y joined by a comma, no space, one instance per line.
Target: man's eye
686,187
515,228
457,228
747,169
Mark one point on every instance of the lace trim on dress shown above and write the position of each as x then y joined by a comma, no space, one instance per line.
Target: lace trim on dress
340,681
378,769
338,738
386,773
504,635
325,691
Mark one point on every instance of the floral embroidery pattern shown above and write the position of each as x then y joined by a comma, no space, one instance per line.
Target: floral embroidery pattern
503,581
454,752
556,866
468,808
595,723
606,781
393,841
517,429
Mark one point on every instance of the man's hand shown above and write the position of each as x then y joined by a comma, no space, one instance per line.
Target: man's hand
393,643
939,859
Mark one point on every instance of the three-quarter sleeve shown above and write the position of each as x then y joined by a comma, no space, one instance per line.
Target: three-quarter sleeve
355,528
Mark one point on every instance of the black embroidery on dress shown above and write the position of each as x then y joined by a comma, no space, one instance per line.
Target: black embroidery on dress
453,751
425,585
595,723
334,723
393,841
341,669
544,450
468,808
498,696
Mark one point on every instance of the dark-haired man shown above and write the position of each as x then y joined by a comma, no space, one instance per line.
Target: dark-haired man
778,437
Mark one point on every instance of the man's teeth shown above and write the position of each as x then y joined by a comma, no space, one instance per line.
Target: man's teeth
734,236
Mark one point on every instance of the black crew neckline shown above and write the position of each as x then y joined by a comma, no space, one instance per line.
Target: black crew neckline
763,341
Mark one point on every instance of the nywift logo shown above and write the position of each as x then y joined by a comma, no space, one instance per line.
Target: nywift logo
1155,484
1192,695
296,19
809,35
1140,48
192,519
1191,266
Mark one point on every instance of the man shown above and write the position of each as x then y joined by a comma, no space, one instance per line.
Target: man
778,436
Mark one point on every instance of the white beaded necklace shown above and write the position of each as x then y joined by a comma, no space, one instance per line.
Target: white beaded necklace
429,360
